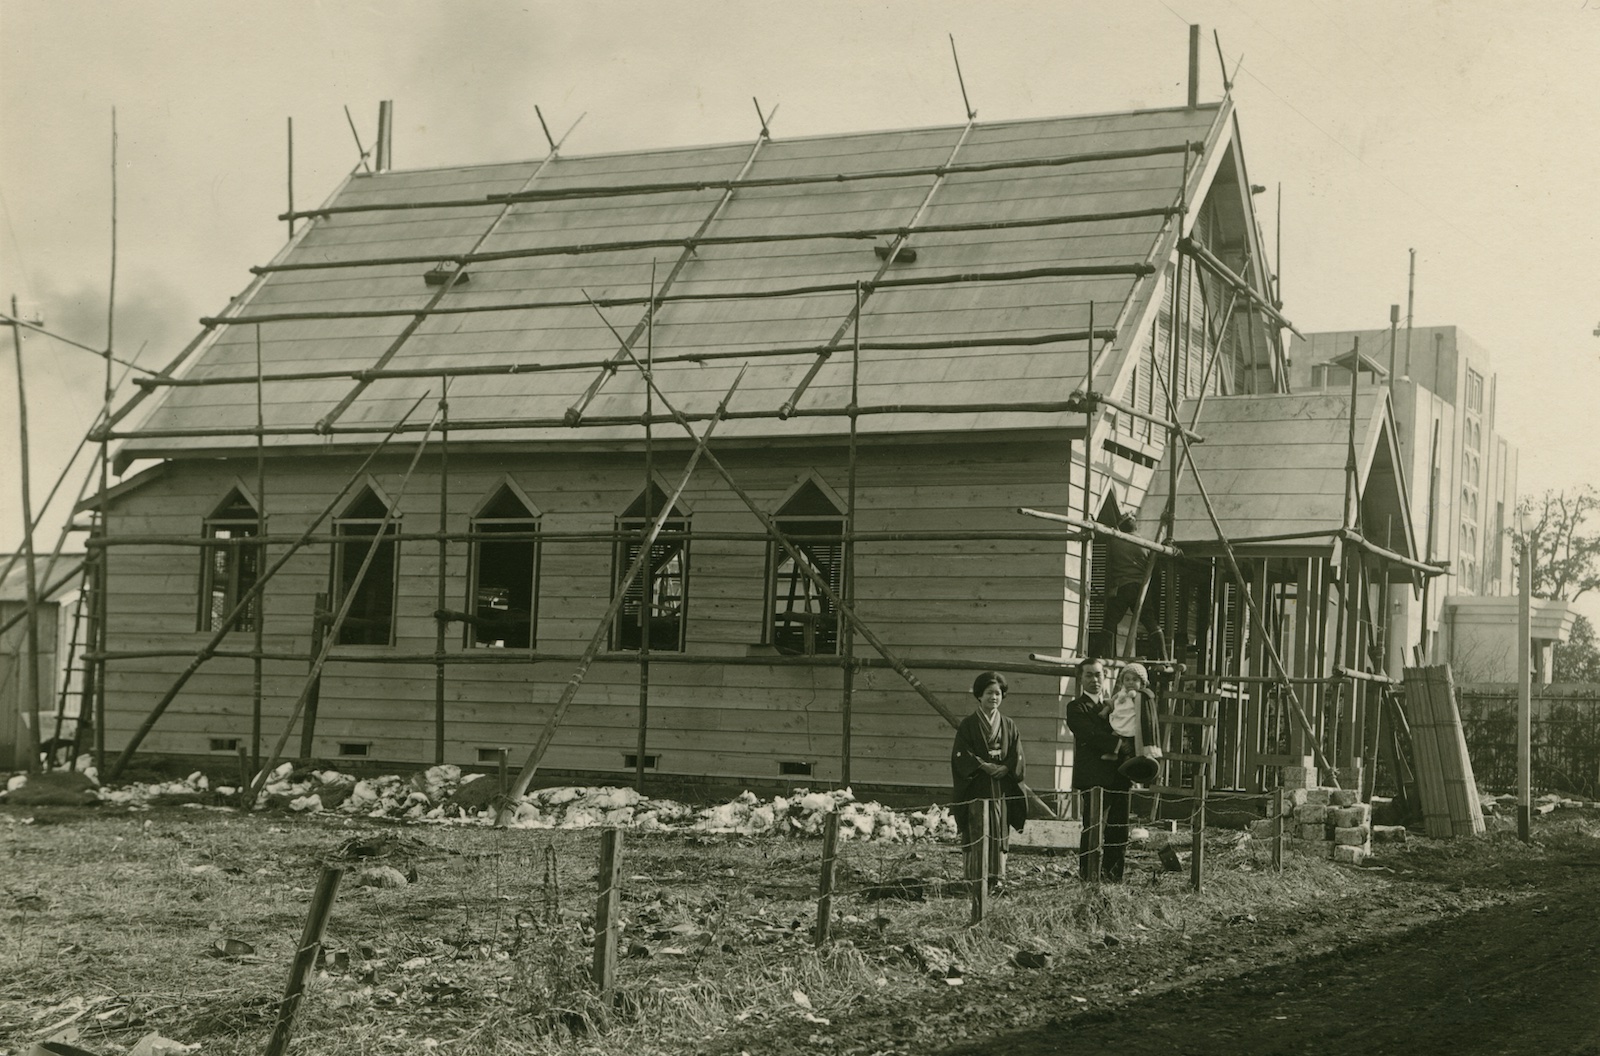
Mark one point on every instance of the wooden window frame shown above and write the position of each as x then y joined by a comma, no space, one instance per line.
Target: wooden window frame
349,552
626,629
526,523
237,576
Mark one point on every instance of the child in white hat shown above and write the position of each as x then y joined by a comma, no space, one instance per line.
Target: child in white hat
1131,692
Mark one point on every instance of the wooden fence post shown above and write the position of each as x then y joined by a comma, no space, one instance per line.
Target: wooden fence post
606,910
1197,854
978,832
830,845
1277,828
305,958
1095,830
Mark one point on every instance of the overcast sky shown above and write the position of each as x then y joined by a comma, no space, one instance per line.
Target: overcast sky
1467,130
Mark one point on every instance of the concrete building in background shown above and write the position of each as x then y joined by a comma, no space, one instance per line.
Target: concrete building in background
1463,490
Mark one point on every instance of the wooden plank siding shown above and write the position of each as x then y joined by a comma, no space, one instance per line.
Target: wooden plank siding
990,599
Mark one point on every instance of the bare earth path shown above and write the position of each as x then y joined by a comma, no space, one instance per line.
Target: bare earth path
1517,978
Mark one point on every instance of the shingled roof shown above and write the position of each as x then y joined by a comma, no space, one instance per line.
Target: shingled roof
538,236
1274,464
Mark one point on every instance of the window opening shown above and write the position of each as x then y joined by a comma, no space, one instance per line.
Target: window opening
801,619
371,617
228,572
504,598
668,576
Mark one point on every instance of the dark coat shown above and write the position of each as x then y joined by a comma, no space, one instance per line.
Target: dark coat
970,782
1090,723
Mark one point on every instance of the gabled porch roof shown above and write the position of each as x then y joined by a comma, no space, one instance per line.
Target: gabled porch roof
1274,467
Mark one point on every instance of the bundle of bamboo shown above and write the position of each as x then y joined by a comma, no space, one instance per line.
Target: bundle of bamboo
1449,796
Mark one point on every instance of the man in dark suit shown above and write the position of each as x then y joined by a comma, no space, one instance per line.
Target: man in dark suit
1094,766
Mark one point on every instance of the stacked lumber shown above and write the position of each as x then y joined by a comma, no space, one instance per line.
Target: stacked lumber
1445,785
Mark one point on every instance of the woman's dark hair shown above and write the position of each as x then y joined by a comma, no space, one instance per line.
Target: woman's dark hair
987,679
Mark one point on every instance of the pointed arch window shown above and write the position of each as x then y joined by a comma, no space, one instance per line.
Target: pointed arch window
801,621
371,617
663,582
504,598
227,572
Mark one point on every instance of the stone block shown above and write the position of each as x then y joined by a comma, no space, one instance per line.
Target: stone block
1300,777
1311,832
1343,797
1389,834
1346,854
1311,814
1318,796
1354,836
1344,817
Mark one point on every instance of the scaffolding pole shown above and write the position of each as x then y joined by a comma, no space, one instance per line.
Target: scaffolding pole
209,649
840,606
337,624
620,594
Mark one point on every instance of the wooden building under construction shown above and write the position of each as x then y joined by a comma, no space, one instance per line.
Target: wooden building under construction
420,456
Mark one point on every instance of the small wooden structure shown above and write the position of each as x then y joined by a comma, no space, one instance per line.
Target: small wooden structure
1307,498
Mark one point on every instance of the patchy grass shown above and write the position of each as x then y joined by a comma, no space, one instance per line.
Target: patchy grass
114,917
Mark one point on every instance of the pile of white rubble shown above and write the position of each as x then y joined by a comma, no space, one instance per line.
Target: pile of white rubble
443,795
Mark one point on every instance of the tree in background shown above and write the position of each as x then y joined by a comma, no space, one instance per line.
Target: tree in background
1578,658
1566,565
1566,560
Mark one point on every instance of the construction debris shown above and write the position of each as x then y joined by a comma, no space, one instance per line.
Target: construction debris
444,795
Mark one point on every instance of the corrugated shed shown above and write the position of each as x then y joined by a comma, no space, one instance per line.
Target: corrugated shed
1275,464
976,311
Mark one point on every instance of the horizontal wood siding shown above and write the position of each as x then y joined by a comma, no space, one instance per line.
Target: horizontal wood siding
993,600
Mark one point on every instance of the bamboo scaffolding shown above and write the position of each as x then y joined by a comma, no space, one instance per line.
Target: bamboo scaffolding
1203,255
580,406
865,290
208,650
1072,271
647,607
698,358
525,657
500,424
1258,625
261,530
1096,528
441,625
692,243
379,540
14,320
619,595
422,316
846,630
1090,398
841,607
28,706
606,535
623,190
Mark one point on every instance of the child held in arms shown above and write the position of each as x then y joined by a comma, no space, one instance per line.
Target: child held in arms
1132,691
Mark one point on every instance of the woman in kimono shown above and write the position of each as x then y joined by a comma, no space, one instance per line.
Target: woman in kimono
986,772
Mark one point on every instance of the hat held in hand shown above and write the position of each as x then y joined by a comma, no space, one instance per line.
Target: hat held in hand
1141,769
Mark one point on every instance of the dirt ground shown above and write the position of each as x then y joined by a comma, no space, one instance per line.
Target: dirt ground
1469,954
1463,947
1522,977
